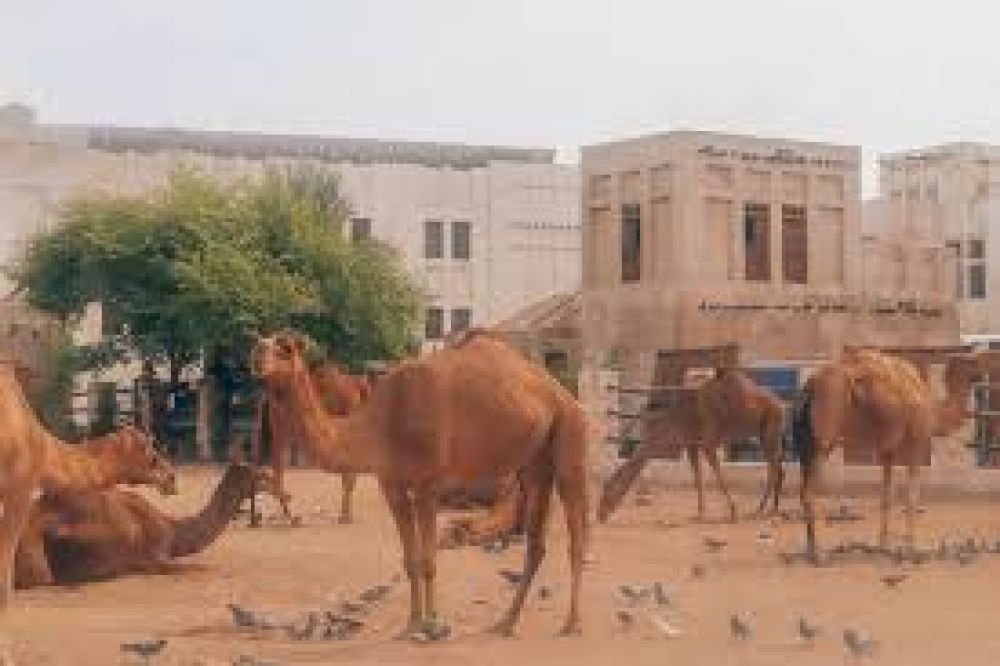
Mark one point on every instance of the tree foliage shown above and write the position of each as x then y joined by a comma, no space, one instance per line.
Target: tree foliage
192,272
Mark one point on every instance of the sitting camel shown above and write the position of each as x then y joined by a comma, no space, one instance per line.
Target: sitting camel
93,535
33,462
339,392
871,399
471,411
729,406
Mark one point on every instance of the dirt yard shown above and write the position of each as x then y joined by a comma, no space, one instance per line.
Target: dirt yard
944,612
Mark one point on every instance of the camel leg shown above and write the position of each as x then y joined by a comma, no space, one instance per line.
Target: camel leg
16,508
619,484
912,495
775,472
699,484
348,480
713,460
403,514
883,533
807,493
572,487
537,486
426,506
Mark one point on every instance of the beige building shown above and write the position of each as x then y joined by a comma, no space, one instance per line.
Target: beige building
694,239
486,230
949,195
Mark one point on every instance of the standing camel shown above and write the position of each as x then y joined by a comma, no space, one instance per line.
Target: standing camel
471,411
875,400
95,535
33,461
339,393
729,406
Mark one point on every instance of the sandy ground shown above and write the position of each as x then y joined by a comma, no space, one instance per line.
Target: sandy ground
944,612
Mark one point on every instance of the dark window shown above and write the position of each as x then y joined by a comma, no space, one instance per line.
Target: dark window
977,281
631,243
794,244
461,319
956,249
757,241
361,229
433,239
556,361
460,240
434,324
977,249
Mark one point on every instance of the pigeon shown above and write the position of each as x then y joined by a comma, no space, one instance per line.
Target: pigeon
305,630
248,619
375,594
739,626
633,594
626,618
145,649
663,625
859,644
662,594
714,545
247,660
892,581
807,631
511,576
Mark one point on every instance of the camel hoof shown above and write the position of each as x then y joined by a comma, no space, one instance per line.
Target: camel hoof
345,520
503,629
570,630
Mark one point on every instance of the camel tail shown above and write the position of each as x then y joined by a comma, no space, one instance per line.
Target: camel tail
803,433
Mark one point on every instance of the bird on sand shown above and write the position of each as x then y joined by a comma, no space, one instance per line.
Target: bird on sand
859,645
740,627
713,544
248,619
893,580
807,631
145,649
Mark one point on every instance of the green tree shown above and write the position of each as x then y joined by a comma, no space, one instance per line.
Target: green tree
191,273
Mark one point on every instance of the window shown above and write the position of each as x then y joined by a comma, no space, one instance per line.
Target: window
361,229
757,241
977,281
794,244
977,249
434,324
556,361
631,243
460,240
433,239
461,319
956,250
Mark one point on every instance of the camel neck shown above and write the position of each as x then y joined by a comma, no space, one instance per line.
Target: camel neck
335,443
73,467
196,533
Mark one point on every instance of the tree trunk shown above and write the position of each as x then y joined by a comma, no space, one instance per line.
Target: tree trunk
203,423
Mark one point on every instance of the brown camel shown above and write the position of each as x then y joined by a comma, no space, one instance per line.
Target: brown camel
729,406
875,400
340,392
34,461
475,410
95,535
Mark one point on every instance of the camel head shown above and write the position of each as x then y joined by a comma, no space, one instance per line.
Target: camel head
138,461
279,358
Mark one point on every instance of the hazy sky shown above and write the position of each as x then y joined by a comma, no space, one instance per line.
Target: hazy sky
886,74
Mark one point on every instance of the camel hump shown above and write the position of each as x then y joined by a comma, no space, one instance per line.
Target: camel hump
898,374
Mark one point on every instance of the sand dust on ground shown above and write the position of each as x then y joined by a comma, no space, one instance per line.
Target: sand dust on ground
945,612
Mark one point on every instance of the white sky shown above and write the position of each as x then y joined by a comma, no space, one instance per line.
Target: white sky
885,74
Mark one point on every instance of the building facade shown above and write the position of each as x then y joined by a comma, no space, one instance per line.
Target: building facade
695,239
950,195
485,230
